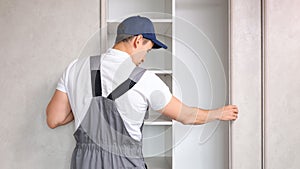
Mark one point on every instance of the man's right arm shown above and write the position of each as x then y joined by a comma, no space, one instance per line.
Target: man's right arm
178,111
59,111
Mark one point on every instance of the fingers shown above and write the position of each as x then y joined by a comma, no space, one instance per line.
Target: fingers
234,111
235,116
229,112
234,108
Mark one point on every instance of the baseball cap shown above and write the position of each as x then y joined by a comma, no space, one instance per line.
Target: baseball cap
136,25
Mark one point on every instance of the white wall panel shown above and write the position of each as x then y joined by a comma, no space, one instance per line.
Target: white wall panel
201,75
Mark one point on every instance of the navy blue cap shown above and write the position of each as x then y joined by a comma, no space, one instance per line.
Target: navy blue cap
137,25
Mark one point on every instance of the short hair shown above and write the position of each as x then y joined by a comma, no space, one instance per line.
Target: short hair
131,37
127,39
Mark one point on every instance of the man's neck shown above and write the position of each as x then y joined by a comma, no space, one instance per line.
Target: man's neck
123,47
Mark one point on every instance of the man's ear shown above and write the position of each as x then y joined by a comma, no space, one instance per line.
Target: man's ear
138,40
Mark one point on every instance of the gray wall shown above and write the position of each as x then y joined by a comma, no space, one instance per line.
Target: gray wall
282,84
38,40
266,135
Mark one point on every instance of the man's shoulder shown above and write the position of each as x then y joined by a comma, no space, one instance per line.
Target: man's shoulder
150,80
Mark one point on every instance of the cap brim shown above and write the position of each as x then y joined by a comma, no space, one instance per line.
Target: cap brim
158,44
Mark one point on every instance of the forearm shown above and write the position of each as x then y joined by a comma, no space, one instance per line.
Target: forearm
210,115
68,119
201,116
197,116
178,111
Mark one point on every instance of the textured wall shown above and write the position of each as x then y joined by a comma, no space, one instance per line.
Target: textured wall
246,83
38,40
281,87
282,84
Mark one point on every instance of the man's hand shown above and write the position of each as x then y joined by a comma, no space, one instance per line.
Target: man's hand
229,112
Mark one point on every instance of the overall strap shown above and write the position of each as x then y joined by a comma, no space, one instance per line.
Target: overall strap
134,77
95,75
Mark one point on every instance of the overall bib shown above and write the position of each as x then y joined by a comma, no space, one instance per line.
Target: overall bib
102,141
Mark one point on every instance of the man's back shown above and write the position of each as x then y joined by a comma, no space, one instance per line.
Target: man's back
116,67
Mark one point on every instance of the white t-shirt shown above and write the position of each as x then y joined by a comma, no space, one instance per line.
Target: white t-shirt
116,67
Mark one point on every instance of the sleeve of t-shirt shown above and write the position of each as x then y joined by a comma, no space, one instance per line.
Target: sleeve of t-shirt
155,90
63,80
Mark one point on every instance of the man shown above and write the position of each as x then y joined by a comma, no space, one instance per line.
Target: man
109,108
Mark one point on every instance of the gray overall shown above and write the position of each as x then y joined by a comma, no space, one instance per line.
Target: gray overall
102,141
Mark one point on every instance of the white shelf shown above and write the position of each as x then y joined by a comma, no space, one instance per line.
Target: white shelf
158,9
159,162
153,20
158,123
163,27
158,71
157,119
161,121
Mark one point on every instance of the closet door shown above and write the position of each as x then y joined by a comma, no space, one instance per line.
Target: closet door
282,85
200,76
